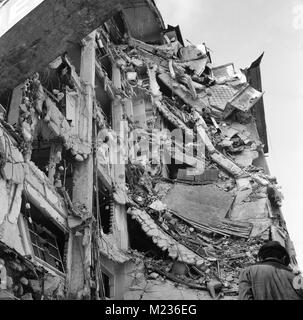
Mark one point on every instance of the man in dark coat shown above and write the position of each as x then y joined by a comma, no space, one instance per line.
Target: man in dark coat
271,278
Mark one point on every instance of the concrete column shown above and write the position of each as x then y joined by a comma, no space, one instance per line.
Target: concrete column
83,174
116,76
80,244
119,126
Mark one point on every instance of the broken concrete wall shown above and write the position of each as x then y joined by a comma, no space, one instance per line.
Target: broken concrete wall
45,196
219,109
121,277
29,179
203,228
24,179
51,123
10,234
11,185
21,279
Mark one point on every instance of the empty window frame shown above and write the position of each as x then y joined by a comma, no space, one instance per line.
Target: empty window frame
45,246
47,239
108,288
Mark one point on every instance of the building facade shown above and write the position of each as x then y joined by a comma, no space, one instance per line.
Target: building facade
126,156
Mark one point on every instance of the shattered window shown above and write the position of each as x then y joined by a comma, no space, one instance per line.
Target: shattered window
47,240
45,246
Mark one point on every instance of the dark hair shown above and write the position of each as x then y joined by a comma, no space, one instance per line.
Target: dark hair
273,249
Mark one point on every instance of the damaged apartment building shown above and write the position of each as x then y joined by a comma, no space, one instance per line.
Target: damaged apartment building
131,167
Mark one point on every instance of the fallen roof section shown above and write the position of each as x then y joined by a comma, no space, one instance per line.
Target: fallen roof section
165,241
199,203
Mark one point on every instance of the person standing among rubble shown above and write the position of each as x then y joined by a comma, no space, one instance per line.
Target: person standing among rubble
64,74
271,278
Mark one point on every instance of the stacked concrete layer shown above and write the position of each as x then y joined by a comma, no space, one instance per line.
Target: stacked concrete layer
164,241
66,24
109,248
253,203
25,178
30,180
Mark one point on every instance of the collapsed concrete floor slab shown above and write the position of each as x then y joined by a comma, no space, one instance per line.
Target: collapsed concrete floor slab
131,167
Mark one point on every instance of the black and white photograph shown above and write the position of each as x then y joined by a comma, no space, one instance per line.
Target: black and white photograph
150,153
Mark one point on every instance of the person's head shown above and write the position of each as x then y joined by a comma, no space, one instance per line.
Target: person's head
273,249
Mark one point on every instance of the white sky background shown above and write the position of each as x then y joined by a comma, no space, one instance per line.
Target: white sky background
239,31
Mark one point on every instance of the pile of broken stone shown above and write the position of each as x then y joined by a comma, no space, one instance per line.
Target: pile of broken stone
215,104
22,280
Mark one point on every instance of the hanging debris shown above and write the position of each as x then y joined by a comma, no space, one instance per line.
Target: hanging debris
131,161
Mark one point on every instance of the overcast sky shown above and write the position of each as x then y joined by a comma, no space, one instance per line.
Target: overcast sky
239,31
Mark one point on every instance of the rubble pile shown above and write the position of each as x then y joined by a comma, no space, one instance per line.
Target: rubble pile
131,164
208,255
223,263
40,106
213,108
23,280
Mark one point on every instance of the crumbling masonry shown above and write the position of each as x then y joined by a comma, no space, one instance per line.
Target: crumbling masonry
130,166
